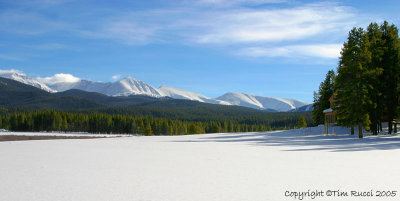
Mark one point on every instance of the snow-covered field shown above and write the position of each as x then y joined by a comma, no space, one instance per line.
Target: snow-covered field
240,166
77,134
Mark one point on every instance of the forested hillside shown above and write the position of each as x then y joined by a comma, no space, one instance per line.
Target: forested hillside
26,108
148,125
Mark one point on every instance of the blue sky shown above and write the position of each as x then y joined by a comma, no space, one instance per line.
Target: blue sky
279,48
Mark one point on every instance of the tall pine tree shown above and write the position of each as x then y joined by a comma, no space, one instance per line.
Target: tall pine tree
352,99
375,47
390,78
321,99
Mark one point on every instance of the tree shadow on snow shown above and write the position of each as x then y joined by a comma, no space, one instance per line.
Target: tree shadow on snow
298,141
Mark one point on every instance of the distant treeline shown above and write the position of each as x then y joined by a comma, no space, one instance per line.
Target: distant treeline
95,122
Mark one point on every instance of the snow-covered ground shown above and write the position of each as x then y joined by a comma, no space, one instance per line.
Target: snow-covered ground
239,166
77,134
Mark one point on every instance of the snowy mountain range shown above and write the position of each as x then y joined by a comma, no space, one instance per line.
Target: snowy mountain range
21,77
130,86
125,87
261,102
182,94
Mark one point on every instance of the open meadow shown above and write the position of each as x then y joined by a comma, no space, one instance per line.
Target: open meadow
238,166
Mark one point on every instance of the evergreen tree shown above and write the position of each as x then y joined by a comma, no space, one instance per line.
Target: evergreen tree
390,78
352,98
321,99
369,78
148,131
302,122
375,47
115,123
194,129
164,128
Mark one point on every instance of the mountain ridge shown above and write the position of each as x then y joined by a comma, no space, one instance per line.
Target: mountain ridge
261,102
21,77
183,94
19,96
125,87
130,86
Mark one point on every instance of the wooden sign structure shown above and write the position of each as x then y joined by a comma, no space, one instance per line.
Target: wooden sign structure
330,117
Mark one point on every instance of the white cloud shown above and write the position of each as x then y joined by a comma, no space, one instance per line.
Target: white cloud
255,32
265,52
129,32
48,46
225,3
321,50
197,24
115,77
30,23
234,25
60,77
39,3
48,3
328,51
275,25
243,27
11,71
9,57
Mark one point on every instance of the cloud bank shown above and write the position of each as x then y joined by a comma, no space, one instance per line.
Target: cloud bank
329,51
115,77
60,77
247,26
10,71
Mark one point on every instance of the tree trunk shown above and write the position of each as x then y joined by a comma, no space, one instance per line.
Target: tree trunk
374,122
352,130
376,127
390,126
360,134
395,128
373,128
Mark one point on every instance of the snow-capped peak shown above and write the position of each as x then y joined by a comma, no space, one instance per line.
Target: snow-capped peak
242,99
261,102
131,86
182,94
125,87
21,77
